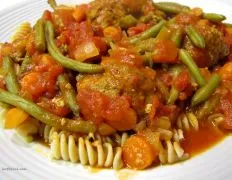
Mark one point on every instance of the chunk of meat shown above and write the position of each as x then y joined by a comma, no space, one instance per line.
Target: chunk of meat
106,12
216,47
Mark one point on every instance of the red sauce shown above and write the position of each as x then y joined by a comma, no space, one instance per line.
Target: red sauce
198,141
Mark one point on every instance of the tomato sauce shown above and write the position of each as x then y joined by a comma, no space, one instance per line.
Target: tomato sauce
199,141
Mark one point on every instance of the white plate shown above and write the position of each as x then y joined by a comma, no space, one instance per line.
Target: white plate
215,164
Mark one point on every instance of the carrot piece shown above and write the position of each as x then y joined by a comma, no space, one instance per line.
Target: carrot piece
79,13
14,117
138,153
165,52
113,32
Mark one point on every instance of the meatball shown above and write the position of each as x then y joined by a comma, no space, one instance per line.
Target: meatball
216,48
106,12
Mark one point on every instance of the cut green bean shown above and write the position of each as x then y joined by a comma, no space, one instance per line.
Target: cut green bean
26,62
206,91
152,32
68,93
40,42
173,95
44,116
214,17
196,38
127,21
146,45
10,75
186,58
171,7
177,37
65,61
52,3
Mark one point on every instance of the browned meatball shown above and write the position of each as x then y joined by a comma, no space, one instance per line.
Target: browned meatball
216,48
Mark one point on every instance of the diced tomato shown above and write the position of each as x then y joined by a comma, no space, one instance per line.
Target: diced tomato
45,63
62,18
97,107
100,44
182,80
42,79
92,104
137,29
57,108
226,108
119,114
186,19
32,84
127,56
47,15
165,52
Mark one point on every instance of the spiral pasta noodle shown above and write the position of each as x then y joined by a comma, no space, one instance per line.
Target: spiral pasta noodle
95,154
171,152
188,121
23,30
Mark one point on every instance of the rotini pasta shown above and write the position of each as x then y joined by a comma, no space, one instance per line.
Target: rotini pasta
187,121
171,152
21,32
96,154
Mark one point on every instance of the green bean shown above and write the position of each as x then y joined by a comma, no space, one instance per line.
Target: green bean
173,95
52,3
162,88
208,107
65,61
174,92
10,75
171,7
44,116
152,32
127,21
214,17
26,62
186,58
68,93
206,91
177,37
196,38
146,45
40,42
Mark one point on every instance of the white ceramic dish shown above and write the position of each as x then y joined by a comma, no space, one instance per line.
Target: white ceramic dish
30,161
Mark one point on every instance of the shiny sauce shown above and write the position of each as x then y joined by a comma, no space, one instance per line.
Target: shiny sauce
199,141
